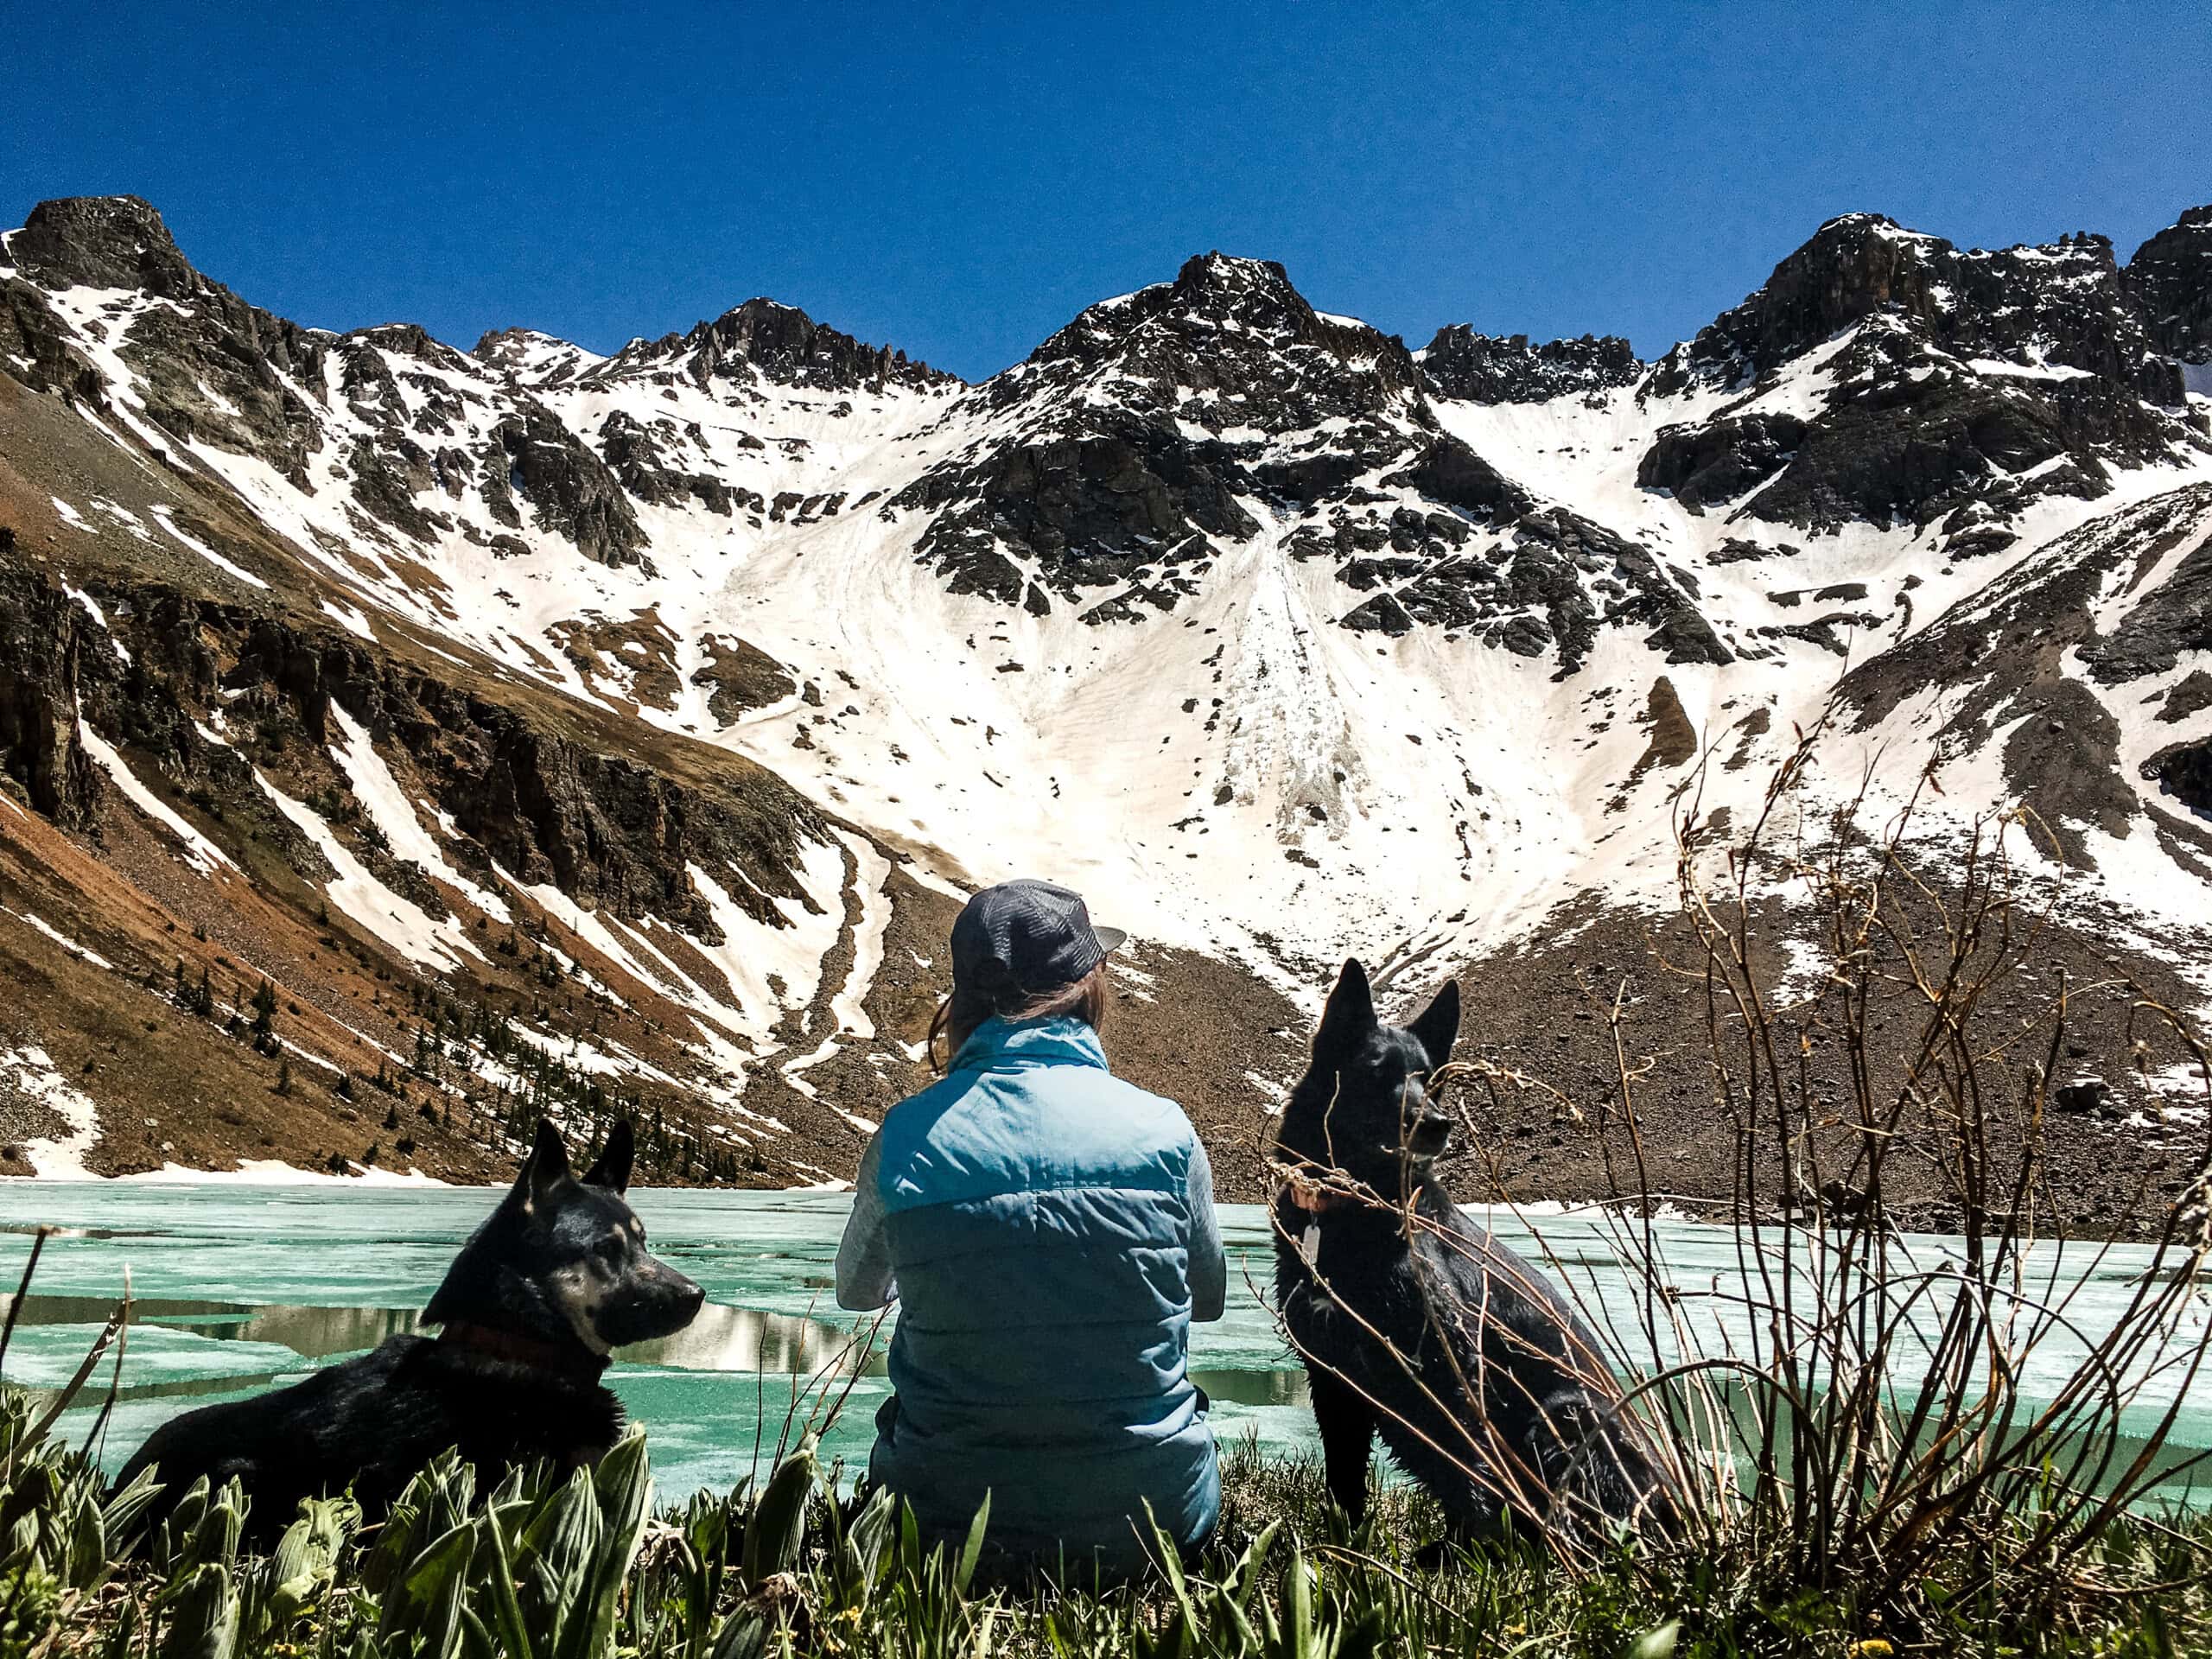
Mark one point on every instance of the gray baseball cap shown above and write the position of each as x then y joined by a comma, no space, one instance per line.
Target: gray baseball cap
1033,933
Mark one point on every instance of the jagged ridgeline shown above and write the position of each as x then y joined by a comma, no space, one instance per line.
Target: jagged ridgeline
553,731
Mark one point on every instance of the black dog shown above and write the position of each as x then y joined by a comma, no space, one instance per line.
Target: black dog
556,1277
1497,1399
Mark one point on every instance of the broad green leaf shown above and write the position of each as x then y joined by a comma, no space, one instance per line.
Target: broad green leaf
972,1550
1246,1577
774,1535
743,1634
870,1532
204,1618
506,1611
625,1487
131,1502
1299,1628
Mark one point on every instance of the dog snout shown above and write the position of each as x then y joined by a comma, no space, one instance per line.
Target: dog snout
658,1301
676,1292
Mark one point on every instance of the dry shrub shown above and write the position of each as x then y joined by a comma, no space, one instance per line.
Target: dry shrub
1933,1435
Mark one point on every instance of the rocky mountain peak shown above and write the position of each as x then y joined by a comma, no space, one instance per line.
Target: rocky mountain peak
766,339
1125,440
1479,368
790,348
213,369
1123,452
410,339
1852,266
534,359
1886,375
2170,282
1254,293
1229,343
2056,305
101,242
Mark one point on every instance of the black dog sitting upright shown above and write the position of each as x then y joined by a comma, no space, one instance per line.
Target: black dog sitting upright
1496,1398
556,1277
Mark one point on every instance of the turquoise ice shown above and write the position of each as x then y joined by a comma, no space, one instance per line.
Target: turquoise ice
240,1288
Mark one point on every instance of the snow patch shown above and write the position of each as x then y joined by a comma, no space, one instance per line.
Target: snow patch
162,518
31,1072
392,813
203,854
98,615
59,937
349,618
399,922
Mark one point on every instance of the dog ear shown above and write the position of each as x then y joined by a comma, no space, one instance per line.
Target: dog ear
1439,1025
611,1168
1348,1019
545,1168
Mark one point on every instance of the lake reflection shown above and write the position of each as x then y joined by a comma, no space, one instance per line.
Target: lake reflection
720,1339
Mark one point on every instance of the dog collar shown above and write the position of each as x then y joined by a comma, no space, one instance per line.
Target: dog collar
531,1353
1313,1199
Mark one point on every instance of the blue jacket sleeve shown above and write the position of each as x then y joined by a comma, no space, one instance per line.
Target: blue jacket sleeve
864,1279
1208,1264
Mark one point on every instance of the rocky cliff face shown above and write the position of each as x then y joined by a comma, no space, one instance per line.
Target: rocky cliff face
2168,283
782,345
2061,306
515,790
1159,426
1493,368
42,656
1952,385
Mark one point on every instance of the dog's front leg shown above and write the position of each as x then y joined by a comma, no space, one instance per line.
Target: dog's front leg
1347,1423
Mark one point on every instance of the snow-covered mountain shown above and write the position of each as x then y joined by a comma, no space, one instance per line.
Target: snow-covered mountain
705,676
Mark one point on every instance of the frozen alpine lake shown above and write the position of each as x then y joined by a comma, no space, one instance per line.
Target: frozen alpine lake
241,1286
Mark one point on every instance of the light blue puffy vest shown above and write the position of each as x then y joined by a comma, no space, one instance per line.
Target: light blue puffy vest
1039,1225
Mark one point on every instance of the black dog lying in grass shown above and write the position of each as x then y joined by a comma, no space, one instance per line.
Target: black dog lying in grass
556,1277
1477,1374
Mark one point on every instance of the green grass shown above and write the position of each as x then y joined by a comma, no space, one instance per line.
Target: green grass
577,1566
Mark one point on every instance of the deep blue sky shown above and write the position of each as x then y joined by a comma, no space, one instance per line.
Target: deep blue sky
960,180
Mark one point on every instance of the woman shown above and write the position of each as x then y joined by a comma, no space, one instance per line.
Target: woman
1048,1233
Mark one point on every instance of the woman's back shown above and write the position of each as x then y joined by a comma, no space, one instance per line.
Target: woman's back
1050,1231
